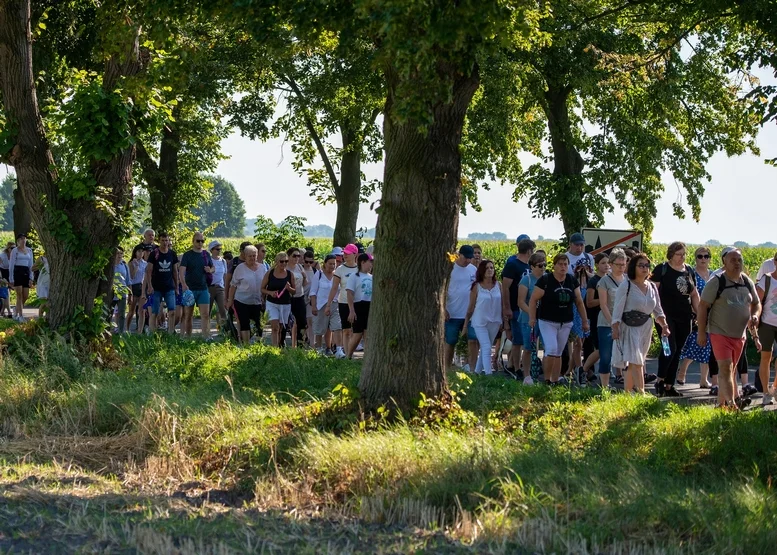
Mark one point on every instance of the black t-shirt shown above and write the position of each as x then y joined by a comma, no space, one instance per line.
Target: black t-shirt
162,268
556,305
675,290
593,313
235,263
515,269
278,284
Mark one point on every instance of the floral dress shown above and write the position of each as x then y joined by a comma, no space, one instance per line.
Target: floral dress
691,348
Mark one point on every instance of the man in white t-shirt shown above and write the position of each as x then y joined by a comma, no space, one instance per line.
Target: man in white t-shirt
767,267
577,255
766,287
457,302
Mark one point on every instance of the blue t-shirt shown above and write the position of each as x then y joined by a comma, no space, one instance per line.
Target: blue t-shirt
515,269
529,281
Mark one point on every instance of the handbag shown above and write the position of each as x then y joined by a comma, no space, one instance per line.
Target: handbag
634,318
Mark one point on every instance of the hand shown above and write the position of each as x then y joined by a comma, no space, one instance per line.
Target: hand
616,333
315,311
753,322
352,316
532,323
701,339
757,342
328,310
586,326
666,332
229,304
508,314
465,328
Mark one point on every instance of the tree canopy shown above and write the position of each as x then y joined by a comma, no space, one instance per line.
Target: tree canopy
222,212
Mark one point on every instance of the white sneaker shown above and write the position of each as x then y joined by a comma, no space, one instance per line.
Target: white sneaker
339,353
768,397
360,347
528,380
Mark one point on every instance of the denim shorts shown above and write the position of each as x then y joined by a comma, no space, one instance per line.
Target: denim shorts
156,301
453,328
517,329
201,297
526,333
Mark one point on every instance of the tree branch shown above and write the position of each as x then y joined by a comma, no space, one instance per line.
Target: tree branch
314,134
373,116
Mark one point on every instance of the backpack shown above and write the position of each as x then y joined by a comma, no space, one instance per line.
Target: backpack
690,271
208,275
722,285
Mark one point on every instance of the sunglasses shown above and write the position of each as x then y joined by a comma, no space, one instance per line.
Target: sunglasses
295,256
542,265
283,261
644,265
702,256
199,240
309,261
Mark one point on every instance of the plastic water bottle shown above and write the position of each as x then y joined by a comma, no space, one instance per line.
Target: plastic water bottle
665,345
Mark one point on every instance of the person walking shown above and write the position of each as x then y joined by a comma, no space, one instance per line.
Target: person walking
477,256
607,287
5,261
278,287
216,288
245,293
676,282
325,320
636,300
485,313
691,351
456,302
593,308
342,273
195,274
147,244
359,288
121,288
137,270
20,271
516,267
768,267
161,282
767,331
550,307
298,299
729,307
529,335
309,267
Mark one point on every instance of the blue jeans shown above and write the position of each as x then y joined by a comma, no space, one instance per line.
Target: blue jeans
453,329
605,349
156,302
517,328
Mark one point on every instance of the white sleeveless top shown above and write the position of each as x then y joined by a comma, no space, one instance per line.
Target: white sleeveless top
488,307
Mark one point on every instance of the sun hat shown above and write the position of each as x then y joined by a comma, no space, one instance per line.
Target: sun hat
213,244
351,249
337,251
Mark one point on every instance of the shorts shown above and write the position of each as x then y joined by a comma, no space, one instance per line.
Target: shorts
308,308
554,336
137,290
156,300
767,333
453,328
21,277
526,334
201,296
278,312
362,310
517,328
322,322
4,294
5,274
344,312
727,348
246,313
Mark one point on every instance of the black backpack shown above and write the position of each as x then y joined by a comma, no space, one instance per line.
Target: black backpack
722,285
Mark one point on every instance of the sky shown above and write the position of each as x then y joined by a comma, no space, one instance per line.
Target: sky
736,205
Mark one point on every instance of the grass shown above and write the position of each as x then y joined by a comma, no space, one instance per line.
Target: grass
173,446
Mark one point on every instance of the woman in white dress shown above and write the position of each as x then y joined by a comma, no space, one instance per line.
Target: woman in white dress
485,313
632,328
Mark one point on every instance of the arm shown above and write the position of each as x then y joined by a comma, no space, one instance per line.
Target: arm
228,278
351,310
11,266
473,298
618,309
149,290
695,300
231,296
536,295
603,304
590,298
755,317
314,293
506,283
522,290
335,289
181,275
265,281
289,281
701,320
581,309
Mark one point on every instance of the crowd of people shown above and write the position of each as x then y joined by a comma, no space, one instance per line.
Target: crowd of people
580,310
576,309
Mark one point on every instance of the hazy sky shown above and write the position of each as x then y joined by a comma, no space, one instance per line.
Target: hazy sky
736,205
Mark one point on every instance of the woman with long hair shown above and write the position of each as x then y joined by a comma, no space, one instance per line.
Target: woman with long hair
278,286
298,299
691,351
529,335
636,300
550,307
607,288
359,288
137,269
325,321
485,313
20,271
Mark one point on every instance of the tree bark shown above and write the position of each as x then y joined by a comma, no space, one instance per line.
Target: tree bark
348,192
74,282
22,219
568,165
162,179
417,229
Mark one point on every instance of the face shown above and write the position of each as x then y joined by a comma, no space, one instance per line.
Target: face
215,251
262,253
539,268
489,271
367,266
250,257
733,261
350,259
562,266
463,260
198,240
604,266
295,257
165,242
148,236
308,260
119,257
703,258
478,257
283,261
330,265
643,268
576,248
679,256
21,241
619,266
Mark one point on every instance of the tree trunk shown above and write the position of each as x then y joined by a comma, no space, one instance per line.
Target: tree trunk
162,179
418,223
348,193
77,234
568,165
22,219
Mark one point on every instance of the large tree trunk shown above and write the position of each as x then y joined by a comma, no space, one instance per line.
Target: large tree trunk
22,219
77,234
419,216
162,178
348,193
568,165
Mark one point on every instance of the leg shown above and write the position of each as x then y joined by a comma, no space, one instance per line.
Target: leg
763,368
204,320
682,369
276,332
19,301
186,325
605,355
637,373
120,319
680,329
355,339
726,385
484,357
473,352
628,379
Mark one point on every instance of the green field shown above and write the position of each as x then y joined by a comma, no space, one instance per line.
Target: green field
166,446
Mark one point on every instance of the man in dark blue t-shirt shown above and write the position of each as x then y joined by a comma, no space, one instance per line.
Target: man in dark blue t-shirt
515,268
161,280
195,266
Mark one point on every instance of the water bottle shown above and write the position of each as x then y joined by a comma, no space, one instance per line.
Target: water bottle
665,345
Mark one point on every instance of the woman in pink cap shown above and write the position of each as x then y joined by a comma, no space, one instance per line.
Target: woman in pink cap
340,280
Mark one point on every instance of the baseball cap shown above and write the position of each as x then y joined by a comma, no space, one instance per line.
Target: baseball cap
521,237
467,251
337,251
360,247
577,238
213,244
351,249
726,250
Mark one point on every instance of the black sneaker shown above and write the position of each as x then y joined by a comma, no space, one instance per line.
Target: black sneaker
713,391
581,377
749,389
519,375
650,378
619,379
660,390
672,392
742,402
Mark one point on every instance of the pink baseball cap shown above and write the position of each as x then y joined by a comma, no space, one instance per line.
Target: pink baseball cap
351,249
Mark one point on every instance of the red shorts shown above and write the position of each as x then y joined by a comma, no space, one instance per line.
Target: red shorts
727,348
